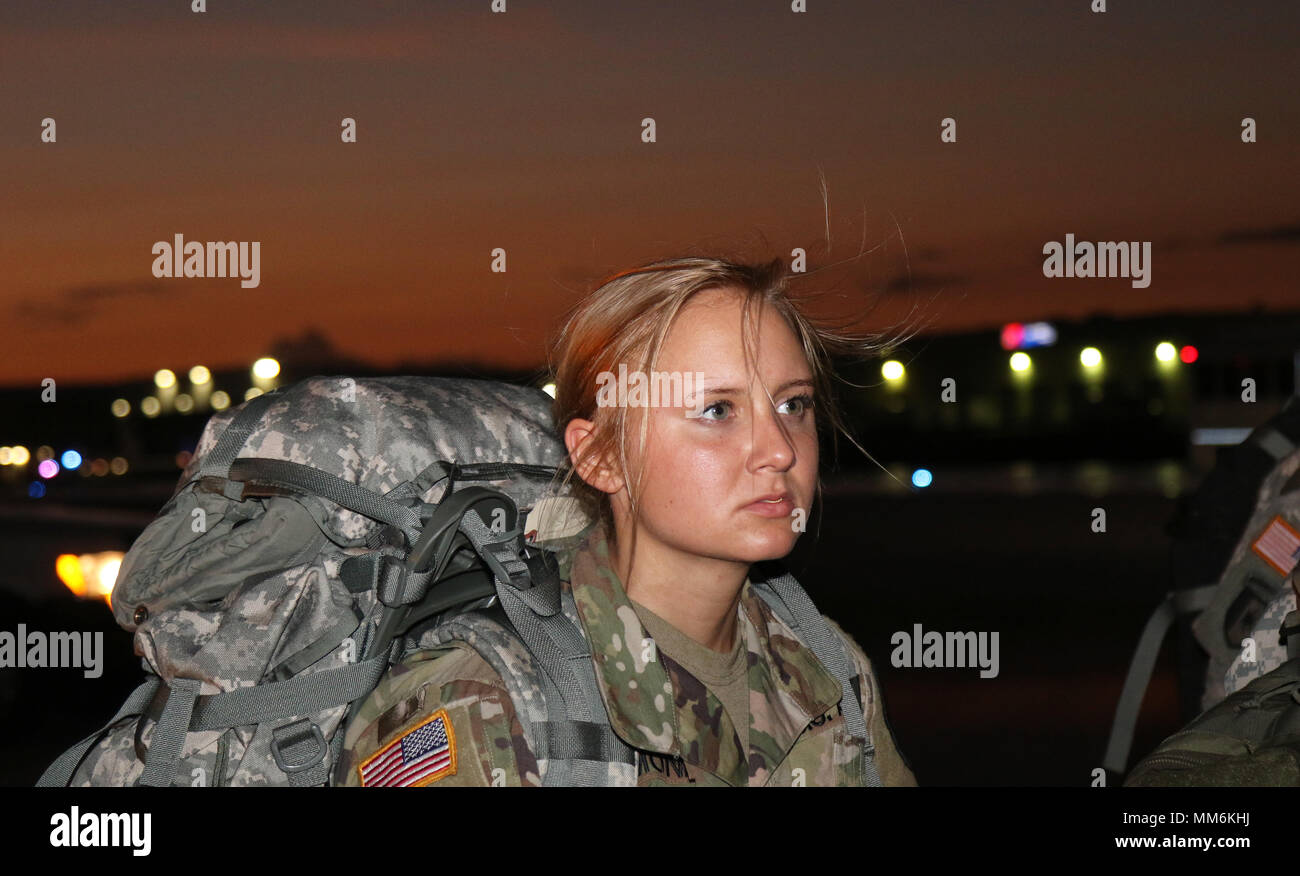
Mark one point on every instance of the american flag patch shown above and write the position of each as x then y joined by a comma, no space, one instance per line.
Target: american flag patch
423,754
1279,545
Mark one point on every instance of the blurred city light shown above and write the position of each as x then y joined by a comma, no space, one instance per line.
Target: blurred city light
184,403
220,400
892,370
121,407
1188,354
251,392
164,378
150,406
118,465
1012,334
47,469
1165,351
71,459
1020,362
89,576
199,375
44,452
922,477
36,489
5,453
19,455
1090,357
266,368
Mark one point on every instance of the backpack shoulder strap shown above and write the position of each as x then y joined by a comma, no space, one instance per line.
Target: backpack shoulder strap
546,666
793,606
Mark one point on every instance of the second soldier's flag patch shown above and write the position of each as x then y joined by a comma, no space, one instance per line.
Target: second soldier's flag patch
423,754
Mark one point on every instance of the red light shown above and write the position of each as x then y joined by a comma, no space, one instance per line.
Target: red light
1012,334
1188,354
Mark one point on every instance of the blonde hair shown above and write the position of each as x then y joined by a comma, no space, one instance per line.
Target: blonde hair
626,319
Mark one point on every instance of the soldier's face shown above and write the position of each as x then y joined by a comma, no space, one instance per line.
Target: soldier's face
710,461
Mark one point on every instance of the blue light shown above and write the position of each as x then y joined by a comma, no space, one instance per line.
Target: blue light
71,459
36,489
922,477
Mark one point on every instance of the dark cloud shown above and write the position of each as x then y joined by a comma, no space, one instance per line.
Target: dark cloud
920,281
1276,234
76,305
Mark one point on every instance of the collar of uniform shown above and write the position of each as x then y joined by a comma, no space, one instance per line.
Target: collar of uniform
640,694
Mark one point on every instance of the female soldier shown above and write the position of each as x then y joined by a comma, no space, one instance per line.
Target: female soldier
696,671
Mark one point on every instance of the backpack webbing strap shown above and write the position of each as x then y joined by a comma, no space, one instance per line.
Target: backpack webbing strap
1140,669
185,710
568,677
806,621
216,463
59,773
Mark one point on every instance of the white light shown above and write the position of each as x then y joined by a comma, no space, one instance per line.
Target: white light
1020,362
1090,357
1166,352
164,378
266,368
199,375
892,370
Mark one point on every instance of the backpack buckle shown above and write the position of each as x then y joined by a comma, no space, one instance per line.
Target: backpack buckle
296,747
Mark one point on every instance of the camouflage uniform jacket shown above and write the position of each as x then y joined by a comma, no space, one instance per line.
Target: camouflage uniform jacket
680,730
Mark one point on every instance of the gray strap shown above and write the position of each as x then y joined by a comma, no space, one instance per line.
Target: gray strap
1119,746
294,475
1274,443
813,630
169,733
568,676
302,695
59,773
217,461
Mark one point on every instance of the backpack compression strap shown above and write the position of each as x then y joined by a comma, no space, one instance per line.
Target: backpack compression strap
579,740
792,604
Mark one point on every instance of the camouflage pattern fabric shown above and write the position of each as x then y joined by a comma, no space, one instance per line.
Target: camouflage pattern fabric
679,728
1279,496
1270,652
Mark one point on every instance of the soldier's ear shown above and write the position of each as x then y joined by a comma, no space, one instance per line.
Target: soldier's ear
600,473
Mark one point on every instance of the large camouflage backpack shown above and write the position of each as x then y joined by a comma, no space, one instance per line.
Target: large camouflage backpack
1236,544
323,532
312,530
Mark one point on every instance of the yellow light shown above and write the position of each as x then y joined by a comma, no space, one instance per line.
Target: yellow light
150,406
251,392
892,370
164,378
68,568
549,389
106,574
199,375
121,407
220,400
19,455
44,452
184,403
266,368
1166,352
1020,362
1090,357
118,465
5,453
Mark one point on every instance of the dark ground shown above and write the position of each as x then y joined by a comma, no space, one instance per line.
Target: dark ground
1068,605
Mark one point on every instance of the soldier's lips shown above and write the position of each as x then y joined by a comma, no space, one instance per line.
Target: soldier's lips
781,508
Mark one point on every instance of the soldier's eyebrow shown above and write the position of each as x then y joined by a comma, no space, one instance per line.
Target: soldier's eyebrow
731,390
